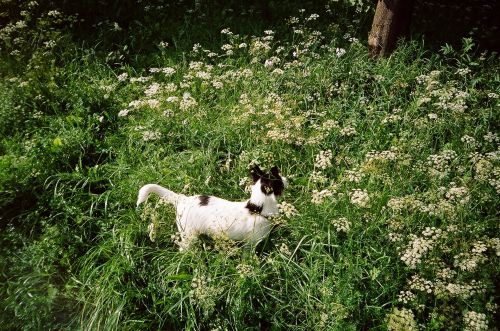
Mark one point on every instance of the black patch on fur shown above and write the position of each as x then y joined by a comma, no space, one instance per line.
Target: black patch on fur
253,208
266,186
277,181
270,182
256,173
204,199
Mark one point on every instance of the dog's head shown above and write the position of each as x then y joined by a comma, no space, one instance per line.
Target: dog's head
270,182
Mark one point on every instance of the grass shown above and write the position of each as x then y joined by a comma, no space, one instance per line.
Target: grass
412,169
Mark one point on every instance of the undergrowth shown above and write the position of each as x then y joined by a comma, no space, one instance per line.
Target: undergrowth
390,220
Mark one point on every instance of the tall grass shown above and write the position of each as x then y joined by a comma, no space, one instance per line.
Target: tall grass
390,220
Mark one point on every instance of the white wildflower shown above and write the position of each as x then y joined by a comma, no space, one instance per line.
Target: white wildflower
123,112
323,159
339,51
463,71
139,79
490,137
152,89
348,131
152,231
318,177
272,61
172,99
151,135
401,319
360,198
319,196
312,17
196,47
341,224
285,250
187,102
278,71
354,175
406,297
217,84
122,77
459,195
163,44
415,251
287,209
153,103
468,140
475,321
53,13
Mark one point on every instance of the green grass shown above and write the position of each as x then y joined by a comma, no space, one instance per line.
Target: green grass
75,253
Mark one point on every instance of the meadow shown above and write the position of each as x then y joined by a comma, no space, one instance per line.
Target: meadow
390,221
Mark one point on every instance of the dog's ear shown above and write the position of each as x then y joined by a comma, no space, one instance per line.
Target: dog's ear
256,173
275,172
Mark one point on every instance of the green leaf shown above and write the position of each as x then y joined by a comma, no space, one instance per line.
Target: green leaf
57,142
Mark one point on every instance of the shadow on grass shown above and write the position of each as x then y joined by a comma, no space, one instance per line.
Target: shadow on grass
140,27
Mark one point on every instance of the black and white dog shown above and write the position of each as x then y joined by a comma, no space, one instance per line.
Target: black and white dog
246,221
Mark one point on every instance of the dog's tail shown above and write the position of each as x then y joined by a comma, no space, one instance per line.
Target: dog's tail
168,195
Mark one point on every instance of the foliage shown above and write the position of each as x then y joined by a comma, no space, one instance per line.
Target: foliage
390,220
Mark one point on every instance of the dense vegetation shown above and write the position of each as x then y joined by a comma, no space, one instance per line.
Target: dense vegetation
390,220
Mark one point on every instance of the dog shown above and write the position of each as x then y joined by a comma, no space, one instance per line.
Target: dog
244,221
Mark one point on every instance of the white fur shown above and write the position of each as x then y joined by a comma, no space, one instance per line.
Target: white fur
219,216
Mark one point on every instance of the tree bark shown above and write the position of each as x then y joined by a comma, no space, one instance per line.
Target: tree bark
390,22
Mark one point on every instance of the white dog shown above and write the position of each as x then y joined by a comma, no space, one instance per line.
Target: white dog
246,221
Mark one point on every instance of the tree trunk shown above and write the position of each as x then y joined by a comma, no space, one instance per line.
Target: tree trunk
390,22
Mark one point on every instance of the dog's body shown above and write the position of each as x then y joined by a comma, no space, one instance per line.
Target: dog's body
245,221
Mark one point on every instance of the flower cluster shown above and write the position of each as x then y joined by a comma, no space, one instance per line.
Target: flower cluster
490,137
318,177
406,297
285,250
389,155
360,198
322,131
319,196
287,209
187,102
401,320
469,261
394,117
341,224
152,89
485,169
152,231
348,131
245,270
323,159
203,292
418,283
459,195
136,104
459,290
469,141
415,250
167,71
474,321
441,162
151,135
354,175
